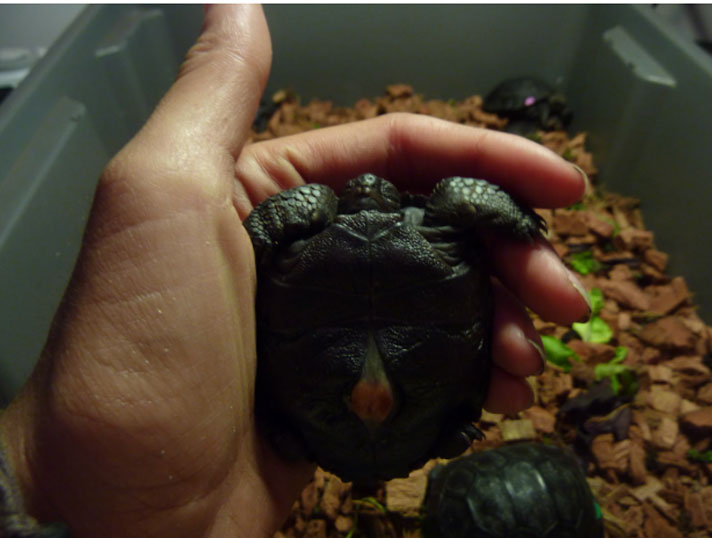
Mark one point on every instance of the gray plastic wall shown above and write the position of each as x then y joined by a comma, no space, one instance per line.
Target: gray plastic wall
76,108
642,92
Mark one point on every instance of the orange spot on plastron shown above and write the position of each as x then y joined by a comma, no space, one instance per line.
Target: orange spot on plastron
372,401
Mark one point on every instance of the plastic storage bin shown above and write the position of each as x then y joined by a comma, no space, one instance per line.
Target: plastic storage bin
642,92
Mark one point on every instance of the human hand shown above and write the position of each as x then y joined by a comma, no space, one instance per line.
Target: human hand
138,420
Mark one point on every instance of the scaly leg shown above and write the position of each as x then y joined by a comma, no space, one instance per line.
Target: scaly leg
296,213
468,203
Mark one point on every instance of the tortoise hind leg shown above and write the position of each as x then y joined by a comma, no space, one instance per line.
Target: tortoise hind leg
467,203
283,438
454,442
458,432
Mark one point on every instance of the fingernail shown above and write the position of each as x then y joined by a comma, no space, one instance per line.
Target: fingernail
578,286
541,353
584,175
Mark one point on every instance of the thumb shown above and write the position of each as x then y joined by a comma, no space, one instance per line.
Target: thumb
211,106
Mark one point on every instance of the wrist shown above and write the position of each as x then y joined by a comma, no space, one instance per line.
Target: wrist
17,491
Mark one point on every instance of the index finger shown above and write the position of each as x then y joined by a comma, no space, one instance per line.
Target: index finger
414,152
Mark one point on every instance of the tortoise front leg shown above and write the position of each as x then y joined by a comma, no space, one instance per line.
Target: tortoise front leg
465,203
293,214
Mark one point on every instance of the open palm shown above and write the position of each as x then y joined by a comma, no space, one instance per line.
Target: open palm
138,420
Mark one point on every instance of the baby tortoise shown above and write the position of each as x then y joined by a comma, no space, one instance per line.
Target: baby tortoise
530,105
374,314
527,490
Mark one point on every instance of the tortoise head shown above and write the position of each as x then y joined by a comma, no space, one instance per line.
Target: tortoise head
369,191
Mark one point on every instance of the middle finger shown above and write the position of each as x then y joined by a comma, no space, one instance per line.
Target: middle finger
536,275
